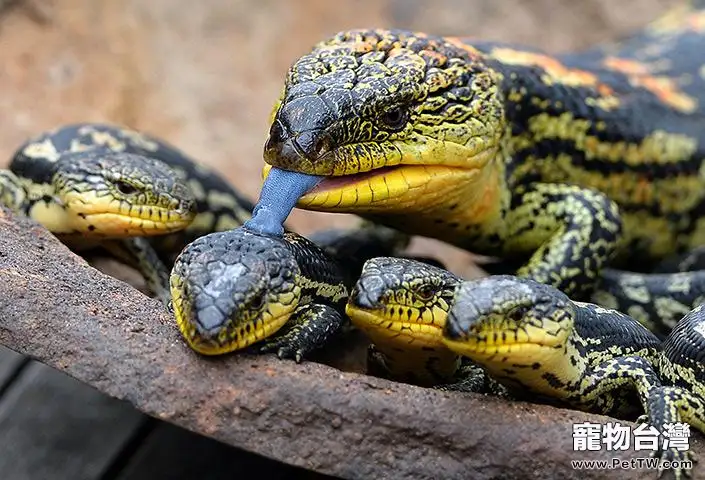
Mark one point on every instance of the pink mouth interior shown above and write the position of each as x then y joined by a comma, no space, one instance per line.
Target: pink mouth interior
331,183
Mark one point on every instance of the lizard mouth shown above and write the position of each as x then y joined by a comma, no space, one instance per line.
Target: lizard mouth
332,183
419,181
390,326
398,188
102,216
234,334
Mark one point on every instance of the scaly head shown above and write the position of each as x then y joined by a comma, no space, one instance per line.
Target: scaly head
121,195
402,303
515,328
393,114
232,289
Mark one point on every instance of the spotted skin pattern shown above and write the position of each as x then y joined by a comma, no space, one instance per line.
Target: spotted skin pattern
102,196
567,164
234,289
684,353
401,305
93,183
218,205
657,301
538,343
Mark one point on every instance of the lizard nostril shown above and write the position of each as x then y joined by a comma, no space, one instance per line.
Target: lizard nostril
321,145
276,132
313,144
276,138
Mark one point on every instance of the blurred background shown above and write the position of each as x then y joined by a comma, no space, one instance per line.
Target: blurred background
204,75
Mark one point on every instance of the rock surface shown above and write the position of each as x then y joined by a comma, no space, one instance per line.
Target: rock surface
204,75
60,310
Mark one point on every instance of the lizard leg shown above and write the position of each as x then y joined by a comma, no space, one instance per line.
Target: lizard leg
605,387
668,409
473,378
577,230
310,327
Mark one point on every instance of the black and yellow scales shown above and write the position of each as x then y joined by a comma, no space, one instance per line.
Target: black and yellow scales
277,293
562,165
532,339
537,342
133,194
402,305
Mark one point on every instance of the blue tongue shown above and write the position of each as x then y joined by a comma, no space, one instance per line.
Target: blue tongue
280,192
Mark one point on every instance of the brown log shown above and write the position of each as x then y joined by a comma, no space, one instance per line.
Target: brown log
61,311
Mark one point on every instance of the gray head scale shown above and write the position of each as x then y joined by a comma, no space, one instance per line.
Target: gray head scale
96,186
502,298
383,277
232,289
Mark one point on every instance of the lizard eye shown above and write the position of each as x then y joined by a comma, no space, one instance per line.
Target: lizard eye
395,118
125,188
517,313
424,291
257,301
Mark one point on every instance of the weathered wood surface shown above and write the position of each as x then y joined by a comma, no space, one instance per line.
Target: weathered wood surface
108,335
